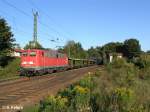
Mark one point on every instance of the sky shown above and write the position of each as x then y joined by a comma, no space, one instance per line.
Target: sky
90,22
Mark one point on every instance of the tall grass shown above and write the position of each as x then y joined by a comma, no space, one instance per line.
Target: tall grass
120,89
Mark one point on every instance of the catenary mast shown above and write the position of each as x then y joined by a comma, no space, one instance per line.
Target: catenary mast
35,28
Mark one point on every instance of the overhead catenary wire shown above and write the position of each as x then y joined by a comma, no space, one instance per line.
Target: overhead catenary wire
37,8
30,16
22,12
13,6
11,20
15,27
26,14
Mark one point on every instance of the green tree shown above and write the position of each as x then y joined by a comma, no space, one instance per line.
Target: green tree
6,42
74,50
6,38
113,47
94,53
33,45
131,48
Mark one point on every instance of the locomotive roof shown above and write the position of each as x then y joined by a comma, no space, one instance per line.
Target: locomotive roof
38,50
54,51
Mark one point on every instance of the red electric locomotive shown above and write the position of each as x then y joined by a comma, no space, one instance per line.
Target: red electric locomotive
37,62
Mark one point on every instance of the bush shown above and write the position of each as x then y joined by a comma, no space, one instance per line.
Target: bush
5,60
122,73
118,63
143,62
115,100
145,73
11,69
87,81
54,104
68,93
82,103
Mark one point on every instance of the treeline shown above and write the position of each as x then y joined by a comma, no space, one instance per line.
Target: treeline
129,48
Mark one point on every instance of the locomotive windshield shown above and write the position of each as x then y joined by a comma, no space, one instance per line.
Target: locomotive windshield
24,54
32,53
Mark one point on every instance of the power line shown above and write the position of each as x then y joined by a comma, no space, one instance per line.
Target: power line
21,11
33,4
20,30
11,5
15,27
26,14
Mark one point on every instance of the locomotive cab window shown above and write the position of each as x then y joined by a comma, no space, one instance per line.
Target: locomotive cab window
32,53
24,54
57,55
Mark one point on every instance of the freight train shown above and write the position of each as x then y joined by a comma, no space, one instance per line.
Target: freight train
37,62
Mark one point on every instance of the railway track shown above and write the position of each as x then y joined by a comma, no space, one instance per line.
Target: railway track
27,91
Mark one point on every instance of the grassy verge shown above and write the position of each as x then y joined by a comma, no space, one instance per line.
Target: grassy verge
11,70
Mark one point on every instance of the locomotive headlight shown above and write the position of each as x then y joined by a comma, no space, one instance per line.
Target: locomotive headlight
31,62
24,62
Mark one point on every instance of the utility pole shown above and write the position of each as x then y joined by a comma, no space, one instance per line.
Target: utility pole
35,28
